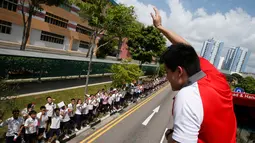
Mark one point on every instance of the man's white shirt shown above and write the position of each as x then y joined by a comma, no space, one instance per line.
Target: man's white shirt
71,107
188,114
13,125
31,125
66,117
55,122
50,108
42,122
78,109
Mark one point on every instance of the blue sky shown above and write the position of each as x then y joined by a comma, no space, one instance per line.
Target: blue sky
211,6
229,21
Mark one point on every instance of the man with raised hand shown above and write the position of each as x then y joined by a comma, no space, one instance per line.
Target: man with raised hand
203,108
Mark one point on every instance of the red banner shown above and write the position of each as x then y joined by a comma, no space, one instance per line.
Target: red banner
244,95
244,99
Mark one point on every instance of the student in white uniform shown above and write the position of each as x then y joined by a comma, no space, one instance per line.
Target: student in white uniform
55,125
42,119
50,106
25,111
78,116
15,126
95,106
85,112
31,126
117,99
71,107
110,102
105,102
90,107
65,123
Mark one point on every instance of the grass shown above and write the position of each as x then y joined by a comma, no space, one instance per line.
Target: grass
40,99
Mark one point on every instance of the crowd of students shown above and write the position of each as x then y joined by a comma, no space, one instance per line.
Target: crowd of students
58,121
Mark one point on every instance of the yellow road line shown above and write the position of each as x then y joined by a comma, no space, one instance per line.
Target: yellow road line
113,121
119,119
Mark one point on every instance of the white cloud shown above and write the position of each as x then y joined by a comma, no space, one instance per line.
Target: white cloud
234,28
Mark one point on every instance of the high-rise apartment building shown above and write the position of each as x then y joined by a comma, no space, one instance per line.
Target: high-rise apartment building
220,65
211,51
236,59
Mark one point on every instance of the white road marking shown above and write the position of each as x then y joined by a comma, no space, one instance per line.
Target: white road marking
163,137
145,122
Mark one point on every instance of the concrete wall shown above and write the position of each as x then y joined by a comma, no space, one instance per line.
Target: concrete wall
15,36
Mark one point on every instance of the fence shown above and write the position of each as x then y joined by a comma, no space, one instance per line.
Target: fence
19,67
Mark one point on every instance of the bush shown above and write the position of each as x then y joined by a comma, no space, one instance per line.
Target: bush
125,73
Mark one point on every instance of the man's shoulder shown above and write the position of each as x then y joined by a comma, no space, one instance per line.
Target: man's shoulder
189,90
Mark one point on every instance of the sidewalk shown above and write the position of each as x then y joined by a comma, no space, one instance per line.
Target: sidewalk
55,90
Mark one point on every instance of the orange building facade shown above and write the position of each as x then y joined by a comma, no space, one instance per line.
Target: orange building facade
54,27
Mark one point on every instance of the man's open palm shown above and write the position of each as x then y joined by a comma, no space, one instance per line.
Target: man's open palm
156,18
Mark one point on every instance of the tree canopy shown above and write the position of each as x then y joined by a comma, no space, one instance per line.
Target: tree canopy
248,84
237,77
146,44
120,21
110,49
125,73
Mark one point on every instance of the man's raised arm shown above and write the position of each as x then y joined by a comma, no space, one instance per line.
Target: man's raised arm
171,36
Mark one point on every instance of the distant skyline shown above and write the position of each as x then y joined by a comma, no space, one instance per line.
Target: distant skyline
212,51
236,59
230,21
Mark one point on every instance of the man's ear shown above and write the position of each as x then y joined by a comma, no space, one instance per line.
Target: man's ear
180,71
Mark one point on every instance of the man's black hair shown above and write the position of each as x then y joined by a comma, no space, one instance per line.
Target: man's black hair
48,97
29,105
32,112
181,55
15,111
72,99
56,109
42,107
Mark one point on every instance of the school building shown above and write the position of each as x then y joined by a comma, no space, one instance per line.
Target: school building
58,29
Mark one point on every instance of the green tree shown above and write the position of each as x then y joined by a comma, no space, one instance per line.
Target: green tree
95,12
110,49
238,77
146,44
248,84
125,73
34,6
120,23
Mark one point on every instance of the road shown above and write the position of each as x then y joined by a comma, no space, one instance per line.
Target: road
137,125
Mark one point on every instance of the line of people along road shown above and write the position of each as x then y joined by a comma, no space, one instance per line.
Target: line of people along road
56,122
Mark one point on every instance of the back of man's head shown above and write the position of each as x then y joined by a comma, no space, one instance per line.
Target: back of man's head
181,55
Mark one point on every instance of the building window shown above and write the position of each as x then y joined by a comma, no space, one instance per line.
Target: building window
65,6
84,45
9,4
51,37
56,20
5,27
83,30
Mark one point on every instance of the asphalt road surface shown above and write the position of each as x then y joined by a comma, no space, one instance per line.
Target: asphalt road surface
144,123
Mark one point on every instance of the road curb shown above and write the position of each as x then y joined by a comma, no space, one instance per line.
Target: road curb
88,127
